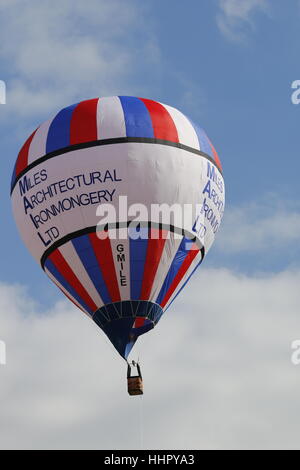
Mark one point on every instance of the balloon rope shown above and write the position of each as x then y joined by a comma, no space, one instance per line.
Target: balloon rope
141,408
141,423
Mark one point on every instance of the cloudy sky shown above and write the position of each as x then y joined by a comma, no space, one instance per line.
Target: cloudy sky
217,370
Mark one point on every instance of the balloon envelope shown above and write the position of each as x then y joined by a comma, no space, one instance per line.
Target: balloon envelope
72,180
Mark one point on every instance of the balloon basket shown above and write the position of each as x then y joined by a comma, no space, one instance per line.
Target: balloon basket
135,382
135,385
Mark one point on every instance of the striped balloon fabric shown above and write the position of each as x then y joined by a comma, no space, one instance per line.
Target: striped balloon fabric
111,118
90,154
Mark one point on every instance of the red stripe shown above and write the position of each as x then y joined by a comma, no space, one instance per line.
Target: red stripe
181,272
103,252
139,321
216,156
155,248
163,124
22,160
62,266
84,122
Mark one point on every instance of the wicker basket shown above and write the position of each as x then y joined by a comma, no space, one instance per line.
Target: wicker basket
135,385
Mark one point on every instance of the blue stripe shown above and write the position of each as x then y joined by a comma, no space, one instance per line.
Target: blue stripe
138,251
174,268
203,140
58,276
59,130
85,251
137,118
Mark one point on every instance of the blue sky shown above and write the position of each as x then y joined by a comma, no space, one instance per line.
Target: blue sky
228,64
231,73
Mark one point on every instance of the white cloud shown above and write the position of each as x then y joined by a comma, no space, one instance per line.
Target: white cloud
58,52
259,227
217,371
236,16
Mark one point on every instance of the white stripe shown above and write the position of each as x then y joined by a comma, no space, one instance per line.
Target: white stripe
168,254
185,130
69,253
195,261
53,279
121,257
110,118
37,147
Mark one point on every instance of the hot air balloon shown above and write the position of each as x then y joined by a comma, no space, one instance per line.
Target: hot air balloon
88,158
